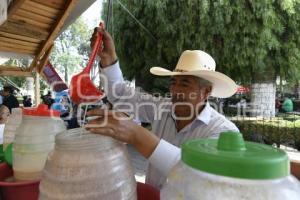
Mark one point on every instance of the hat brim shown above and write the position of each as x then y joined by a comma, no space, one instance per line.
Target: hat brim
223,86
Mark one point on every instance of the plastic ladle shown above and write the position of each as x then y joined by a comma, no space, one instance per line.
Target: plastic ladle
82,89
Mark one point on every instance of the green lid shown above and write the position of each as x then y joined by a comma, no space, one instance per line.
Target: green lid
231,156
1,153
8,154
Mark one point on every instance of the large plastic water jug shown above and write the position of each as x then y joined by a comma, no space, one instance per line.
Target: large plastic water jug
230,169
87,166
35,138
13,122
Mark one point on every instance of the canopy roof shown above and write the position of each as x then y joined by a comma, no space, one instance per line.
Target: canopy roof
31,28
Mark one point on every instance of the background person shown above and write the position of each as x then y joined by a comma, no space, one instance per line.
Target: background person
9,100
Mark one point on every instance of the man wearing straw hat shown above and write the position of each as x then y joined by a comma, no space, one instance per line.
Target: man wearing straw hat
186,115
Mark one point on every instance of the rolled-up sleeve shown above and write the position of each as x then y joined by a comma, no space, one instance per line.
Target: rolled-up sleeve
113,73
126,99
164,157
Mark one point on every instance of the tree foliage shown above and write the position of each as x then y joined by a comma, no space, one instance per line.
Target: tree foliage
251,40
71,49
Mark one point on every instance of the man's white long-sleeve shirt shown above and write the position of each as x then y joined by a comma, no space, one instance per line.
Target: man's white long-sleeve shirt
158,111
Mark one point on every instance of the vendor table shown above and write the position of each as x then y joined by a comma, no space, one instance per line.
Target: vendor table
30,189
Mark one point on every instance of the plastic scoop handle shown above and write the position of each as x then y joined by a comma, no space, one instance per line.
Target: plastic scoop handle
95,50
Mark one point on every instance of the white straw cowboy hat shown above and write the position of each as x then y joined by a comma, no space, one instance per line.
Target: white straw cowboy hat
200,64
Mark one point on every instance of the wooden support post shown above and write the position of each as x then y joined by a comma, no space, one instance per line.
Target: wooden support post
29,85
41,64
37,89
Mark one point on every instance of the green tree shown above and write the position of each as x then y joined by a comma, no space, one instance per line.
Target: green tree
71,49
252,41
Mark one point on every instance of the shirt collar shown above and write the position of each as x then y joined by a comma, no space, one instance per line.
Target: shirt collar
203,117
205,114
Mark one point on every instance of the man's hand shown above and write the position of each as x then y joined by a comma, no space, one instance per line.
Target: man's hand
120,127
107,52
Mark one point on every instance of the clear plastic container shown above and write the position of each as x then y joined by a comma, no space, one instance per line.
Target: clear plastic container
87,166
34,140
230,170
186,183
13,122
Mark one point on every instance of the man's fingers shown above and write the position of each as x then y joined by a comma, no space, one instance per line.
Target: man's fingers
98,112
108,113
93,38
103,131
104,33
107,39
97,123
111,132
107,131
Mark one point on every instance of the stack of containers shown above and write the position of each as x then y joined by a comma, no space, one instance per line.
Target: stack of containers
13,122
34,140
